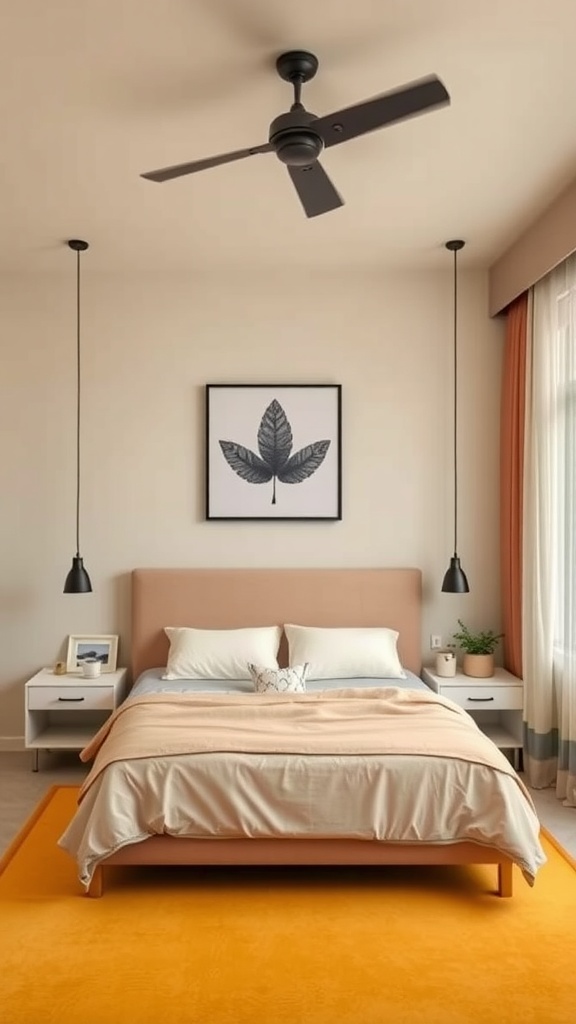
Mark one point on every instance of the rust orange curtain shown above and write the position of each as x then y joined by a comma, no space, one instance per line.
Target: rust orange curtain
511,480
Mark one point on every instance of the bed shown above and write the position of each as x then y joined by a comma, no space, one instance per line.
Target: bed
335,599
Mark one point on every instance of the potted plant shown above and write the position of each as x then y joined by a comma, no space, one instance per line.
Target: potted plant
478,650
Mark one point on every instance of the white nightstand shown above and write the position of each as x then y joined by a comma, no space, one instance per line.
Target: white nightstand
495,703
64,712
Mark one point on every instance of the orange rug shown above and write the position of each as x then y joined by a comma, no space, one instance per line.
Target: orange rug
280,946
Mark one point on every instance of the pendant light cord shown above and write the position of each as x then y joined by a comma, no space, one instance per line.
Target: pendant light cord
455,404
455,581
78,378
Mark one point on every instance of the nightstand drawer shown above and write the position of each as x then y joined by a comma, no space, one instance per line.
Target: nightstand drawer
485,697
69,698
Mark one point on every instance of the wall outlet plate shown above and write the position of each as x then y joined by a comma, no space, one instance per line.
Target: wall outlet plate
435,642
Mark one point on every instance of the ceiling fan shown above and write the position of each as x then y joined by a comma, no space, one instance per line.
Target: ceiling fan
298,137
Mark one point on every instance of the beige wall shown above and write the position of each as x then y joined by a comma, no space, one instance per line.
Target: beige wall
149,347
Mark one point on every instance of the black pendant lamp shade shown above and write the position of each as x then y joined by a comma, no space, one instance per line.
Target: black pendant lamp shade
77,580
455,581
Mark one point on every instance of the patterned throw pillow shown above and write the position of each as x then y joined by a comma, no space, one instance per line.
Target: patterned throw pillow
279,680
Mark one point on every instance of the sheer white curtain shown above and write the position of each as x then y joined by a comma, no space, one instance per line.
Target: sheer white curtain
549,532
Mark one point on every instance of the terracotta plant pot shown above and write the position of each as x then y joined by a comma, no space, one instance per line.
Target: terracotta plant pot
480,666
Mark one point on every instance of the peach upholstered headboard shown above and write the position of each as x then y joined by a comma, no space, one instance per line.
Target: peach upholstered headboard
232,598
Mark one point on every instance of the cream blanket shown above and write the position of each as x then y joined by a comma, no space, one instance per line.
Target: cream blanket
383,720
339,764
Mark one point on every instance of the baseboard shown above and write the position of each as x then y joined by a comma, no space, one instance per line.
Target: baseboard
13,744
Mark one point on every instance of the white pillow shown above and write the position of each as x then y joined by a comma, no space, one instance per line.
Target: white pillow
345,653
219,653
279,680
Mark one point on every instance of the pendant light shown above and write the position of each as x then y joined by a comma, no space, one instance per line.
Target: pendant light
77,580
455,581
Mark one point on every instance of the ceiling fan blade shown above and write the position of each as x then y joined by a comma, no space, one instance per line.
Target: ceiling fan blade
166,173
390,107
315,190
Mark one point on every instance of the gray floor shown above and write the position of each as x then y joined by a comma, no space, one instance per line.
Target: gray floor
21,789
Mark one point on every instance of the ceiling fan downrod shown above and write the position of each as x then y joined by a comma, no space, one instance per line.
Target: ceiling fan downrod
297,67
294,141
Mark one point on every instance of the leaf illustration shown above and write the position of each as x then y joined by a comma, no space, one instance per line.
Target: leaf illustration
304,463
275,437
245,463
274,444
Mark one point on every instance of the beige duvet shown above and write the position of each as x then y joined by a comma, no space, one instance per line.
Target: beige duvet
388,764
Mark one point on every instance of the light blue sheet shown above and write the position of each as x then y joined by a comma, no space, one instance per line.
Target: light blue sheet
151,681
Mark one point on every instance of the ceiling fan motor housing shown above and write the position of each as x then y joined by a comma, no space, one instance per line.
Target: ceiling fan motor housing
293,138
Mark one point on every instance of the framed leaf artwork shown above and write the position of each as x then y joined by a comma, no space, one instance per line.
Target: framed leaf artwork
273,451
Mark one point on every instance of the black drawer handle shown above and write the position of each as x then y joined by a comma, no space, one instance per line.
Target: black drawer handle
70,699
480,699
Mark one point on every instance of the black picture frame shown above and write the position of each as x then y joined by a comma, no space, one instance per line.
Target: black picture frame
274,452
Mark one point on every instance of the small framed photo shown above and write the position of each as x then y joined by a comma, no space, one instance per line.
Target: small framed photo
93,648
273,451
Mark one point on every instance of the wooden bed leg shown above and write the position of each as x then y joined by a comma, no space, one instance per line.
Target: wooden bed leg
96,886
505,878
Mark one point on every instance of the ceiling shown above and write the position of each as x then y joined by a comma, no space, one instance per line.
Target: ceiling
94,93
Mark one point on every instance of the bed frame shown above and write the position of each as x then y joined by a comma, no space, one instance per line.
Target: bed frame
232,598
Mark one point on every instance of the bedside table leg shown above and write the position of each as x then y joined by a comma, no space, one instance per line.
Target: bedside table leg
35,760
